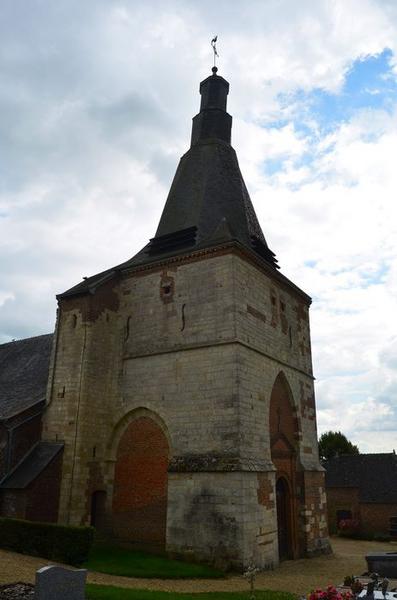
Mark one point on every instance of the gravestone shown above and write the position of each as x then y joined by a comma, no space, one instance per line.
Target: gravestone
378,595
385,563
58,583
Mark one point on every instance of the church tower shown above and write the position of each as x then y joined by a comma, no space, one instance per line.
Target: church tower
181,380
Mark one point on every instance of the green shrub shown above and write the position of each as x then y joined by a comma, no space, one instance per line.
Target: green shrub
62,543
357,535
382,537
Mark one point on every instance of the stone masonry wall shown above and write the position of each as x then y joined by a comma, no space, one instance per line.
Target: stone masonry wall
83,390
197,347
222,518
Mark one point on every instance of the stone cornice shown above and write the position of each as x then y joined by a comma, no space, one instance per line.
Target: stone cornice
220,250
217,462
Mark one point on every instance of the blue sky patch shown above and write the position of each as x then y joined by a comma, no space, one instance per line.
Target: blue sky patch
370,84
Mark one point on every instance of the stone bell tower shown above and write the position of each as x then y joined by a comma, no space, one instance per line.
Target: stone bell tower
182,381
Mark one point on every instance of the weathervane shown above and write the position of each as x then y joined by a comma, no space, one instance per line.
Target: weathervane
213,44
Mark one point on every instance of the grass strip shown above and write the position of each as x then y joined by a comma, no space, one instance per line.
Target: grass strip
105,592
130,563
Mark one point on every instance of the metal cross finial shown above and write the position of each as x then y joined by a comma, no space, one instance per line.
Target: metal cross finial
213,44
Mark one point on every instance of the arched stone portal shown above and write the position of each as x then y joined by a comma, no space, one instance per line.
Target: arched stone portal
140,485
284,435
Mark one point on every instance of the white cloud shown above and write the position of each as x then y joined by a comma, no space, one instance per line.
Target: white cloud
95,108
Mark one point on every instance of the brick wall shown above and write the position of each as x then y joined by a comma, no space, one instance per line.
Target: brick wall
140,484
342,499
373,518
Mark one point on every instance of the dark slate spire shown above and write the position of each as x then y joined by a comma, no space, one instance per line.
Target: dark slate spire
208,202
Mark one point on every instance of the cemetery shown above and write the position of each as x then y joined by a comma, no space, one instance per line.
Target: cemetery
320,578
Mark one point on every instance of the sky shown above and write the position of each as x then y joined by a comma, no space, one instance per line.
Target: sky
96,101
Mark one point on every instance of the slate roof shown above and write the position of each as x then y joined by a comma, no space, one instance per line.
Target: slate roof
208,203
24,368
31,466
375,476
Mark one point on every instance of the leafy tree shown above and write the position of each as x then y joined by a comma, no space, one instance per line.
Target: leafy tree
334,443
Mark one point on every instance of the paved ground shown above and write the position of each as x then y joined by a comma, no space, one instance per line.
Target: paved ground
299,576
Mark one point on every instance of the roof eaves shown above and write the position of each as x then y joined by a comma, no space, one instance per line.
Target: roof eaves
90,285
58,447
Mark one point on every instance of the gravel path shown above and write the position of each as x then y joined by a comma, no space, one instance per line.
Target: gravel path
298,576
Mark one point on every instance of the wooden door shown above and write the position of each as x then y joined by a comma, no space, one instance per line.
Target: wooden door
283,519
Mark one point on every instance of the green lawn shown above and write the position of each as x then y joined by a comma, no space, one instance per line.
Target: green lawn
129,563
104,592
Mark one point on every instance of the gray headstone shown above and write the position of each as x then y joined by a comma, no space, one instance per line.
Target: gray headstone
57,583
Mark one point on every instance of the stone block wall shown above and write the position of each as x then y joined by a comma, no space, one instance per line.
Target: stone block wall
196,346
223,518
271,316
82,391
314,513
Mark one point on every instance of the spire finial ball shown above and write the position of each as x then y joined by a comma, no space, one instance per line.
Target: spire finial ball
214,70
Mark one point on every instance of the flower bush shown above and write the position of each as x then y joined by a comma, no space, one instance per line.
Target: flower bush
348,524
354,583
331,593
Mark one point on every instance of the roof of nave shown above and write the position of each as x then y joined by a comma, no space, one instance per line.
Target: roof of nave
375,476
24,368
208,204
34,463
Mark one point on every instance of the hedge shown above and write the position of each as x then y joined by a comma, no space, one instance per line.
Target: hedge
61,543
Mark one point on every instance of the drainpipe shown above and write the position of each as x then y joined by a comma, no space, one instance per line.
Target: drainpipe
77,422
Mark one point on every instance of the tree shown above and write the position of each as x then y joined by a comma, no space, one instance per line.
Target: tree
334,443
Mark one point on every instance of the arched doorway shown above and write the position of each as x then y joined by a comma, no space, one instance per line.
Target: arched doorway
98,510
284,434
283,518
140,485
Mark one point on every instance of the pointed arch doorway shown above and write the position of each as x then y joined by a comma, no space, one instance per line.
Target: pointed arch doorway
283,442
